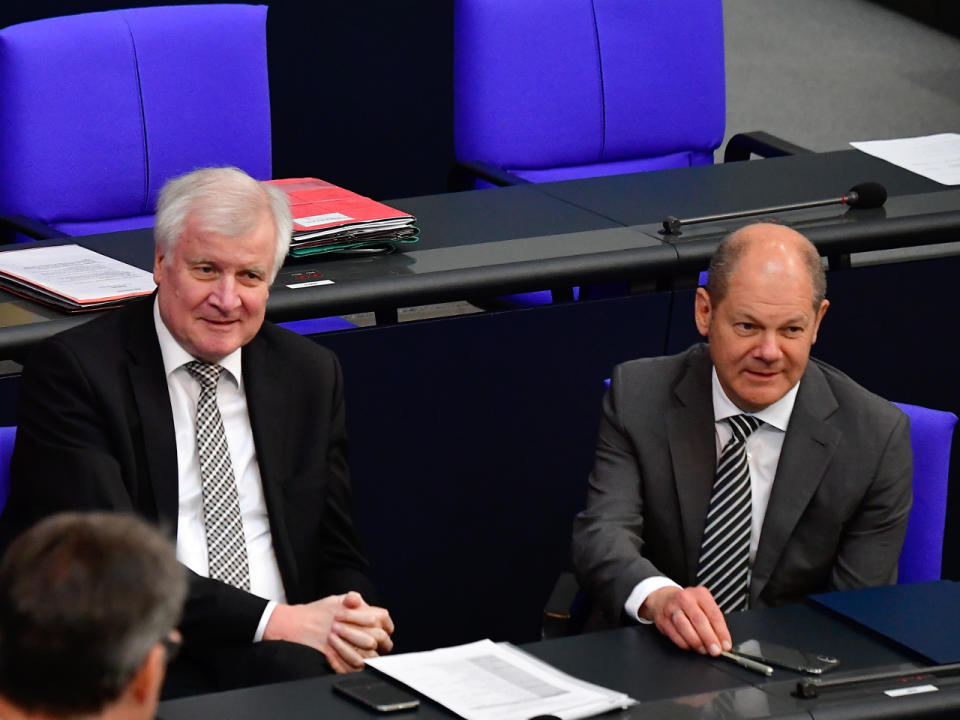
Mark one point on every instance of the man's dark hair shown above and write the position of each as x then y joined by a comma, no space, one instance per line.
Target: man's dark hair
723,264
83,599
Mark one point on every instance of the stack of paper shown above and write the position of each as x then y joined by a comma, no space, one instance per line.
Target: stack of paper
497,681
72,278
328,218
934,156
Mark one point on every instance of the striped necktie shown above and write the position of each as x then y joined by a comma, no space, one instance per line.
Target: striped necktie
226,545
724,566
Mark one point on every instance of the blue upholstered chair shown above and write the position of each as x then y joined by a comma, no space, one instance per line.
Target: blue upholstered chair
931,435
559,89
549,90
98,110
7,436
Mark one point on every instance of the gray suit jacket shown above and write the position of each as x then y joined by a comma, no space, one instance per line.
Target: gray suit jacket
837,513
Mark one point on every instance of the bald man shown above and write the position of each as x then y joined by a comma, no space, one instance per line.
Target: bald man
740,473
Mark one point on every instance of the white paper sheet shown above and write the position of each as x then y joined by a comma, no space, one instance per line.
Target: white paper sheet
76,273
497,681
934,156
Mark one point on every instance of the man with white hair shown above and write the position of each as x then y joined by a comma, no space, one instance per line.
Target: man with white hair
193,412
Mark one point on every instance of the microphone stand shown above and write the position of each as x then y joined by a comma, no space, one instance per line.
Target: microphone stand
672,225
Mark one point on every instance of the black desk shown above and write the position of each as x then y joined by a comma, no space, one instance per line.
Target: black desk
669,683
498,241
532,237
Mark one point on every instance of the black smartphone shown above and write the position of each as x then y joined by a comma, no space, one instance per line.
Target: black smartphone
786,657
375,693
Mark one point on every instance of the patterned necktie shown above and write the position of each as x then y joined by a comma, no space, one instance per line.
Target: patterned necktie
724,566
226,546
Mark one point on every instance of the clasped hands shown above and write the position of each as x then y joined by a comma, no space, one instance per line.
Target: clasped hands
343,627
689,617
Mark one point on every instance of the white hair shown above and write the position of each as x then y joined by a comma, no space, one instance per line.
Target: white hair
223,200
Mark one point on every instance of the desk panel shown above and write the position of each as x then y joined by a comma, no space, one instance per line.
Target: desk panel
471,439
439,274
708,189
481,216
669,683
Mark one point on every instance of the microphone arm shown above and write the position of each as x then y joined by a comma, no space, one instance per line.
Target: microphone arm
862,195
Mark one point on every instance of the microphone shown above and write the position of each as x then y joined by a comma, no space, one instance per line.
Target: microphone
863,195
866,195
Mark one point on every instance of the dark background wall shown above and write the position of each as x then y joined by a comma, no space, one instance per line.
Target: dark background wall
361,91
940,14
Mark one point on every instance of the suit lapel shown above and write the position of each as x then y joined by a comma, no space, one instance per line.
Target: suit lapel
267,396
148,381
690,435
808,447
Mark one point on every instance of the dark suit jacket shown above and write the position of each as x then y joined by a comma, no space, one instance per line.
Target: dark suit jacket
95,431
838,509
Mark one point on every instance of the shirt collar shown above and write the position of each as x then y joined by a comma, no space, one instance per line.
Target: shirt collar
175,357
777,414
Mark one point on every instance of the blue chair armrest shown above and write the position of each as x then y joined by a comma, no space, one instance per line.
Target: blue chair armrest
29,227
465,171
742,145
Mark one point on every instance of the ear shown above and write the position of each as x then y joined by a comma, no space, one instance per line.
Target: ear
158,258
703,311
145,687
816,323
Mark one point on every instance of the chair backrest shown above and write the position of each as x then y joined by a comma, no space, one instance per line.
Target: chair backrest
931,434
98,110
7,436
557,89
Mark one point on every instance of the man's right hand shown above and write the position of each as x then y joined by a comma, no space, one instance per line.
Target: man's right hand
689,617
330,625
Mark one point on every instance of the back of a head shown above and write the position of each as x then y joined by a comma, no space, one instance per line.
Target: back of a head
83,600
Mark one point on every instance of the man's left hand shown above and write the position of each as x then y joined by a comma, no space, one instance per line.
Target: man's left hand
357,620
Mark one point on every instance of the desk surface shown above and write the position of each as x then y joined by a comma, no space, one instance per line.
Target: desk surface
498,241
637,660
707,189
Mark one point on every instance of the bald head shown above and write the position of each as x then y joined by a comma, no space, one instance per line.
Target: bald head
761,312
767,245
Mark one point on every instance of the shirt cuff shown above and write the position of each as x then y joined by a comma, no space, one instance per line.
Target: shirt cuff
264,619
643,588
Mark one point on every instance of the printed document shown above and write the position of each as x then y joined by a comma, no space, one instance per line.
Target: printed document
936,157
497,681
75,274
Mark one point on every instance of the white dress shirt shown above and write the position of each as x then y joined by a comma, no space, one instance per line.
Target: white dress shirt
763,455
184,392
